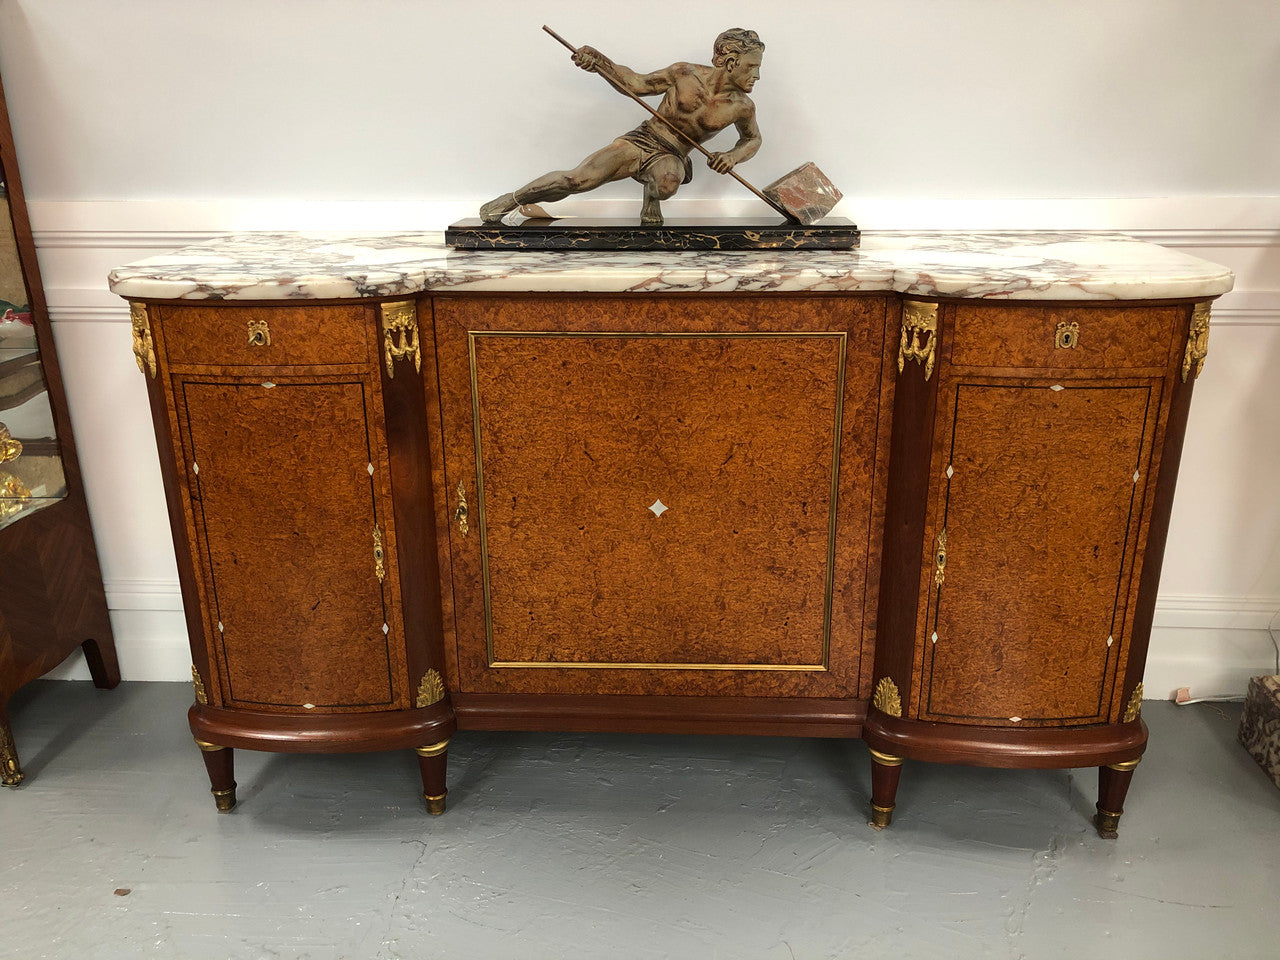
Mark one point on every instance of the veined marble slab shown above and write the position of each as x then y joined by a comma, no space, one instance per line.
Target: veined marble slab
1027,266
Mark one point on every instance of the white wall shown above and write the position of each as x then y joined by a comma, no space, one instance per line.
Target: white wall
143,124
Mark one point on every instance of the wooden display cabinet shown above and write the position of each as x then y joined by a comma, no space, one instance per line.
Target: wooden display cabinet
51,595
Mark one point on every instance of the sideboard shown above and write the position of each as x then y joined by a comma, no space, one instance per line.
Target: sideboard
916,492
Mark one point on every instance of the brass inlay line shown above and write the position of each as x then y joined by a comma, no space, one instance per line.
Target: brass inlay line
828,599
1197,340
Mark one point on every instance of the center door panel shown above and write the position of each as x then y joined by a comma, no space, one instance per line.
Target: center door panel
663,495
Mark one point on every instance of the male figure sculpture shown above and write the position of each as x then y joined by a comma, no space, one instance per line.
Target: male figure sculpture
698,100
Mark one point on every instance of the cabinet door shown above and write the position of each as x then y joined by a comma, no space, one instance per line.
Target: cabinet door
289,504
663,495
1039,492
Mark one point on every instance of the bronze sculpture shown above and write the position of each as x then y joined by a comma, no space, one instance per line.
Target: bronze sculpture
698,101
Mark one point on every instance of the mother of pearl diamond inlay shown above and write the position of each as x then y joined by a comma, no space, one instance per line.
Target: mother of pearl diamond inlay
658,508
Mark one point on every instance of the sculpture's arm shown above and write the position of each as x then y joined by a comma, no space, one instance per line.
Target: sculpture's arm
749,140
641,84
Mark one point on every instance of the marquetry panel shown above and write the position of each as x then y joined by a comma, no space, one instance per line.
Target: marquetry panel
288,485
1038,490
662,495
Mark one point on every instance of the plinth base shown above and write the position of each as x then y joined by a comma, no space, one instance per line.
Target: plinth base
832,233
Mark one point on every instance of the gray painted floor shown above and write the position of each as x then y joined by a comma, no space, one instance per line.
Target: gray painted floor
605,846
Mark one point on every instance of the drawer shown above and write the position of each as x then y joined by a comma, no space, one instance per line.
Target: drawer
1085,337
266,336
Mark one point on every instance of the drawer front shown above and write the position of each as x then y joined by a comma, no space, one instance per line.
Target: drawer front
1083,337
266,336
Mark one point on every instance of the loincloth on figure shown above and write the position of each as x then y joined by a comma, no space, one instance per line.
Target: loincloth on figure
654,147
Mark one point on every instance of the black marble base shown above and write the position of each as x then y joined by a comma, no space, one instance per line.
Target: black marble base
832,233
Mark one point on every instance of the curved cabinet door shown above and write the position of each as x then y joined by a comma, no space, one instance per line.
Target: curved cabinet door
1038,509
290,515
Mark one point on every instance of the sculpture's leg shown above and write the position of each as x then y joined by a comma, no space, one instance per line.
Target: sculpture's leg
220,762
103,665
10,770
431,764
885,771
1113,784
651,209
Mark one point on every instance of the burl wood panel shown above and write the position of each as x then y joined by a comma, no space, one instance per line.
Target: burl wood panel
300,335
285,508
1042,512
992,335
730,419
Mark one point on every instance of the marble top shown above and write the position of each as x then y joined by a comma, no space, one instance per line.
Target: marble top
1020,266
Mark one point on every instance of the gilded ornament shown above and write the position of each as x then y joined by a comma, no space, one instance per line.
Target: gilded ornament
13,496
1134,707
919,335
460,514
1067,336
379,555
400,333
144,350
886,699
10,772
1197,341
259,333
10,449
201,696
940,573
430,690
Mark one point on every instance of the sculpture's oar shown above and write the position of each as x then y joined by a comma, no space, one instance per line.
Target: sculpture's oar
787,190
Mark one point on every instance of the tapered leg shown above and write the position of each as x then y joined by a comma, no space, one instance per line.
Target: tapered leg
220,762
885,771
103,666
10,770
431,764
1113,784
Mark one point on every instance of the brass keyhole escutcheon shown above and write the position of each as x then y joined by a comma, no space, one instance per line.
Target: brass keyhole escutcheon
460,513
259,333
1067,336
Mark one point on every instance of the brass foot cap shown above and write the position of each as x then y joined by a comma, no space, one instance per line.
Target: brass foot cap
1107,824
881,817
225,800
435,805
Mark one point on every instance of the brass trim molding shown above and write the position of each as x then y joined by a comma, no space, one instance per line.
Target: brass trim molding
144,348
885,759
919,335
1067,335
886,698
196,681
207,747
400,334
1124,766
1197,340
430,690
11,774
840,336
259,333
1134,708
433,749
